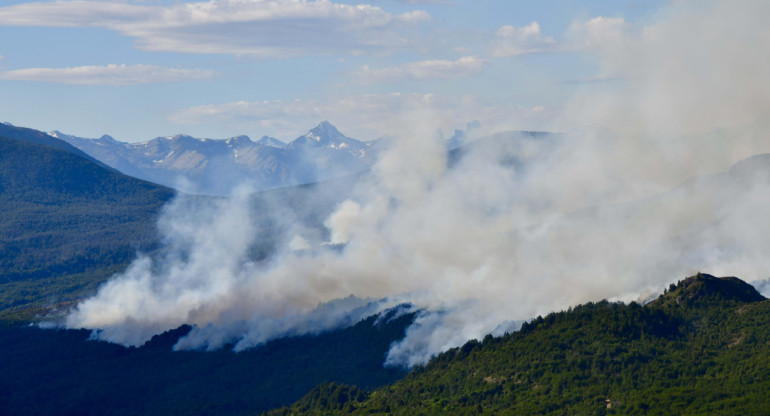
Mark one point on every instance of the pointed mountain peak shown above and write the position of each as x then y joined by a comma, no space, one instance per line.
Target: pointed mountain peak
325,126
326,135
325,131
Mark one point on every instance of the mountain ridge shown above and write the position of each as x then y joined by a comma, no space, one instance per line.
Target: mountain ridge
217,166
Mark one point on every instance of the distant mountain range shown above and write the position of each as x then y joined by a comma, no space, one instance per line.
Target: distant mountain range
216,167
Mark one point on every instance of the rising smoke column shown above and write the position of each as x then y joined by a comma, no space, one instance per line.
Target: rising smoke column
520,227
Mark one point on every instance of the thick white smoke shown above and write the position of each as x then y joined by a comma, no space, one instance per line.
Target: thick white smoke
519,225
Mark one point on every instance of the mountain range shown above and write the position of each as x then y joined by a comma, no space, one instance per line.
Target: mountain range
217,167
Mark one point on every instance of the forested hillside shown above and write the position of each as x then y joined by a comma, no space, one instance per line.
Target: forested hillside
701,348
68,222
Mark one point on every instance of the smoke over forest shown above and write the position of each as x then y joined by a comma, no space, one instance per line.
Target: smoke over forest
638,188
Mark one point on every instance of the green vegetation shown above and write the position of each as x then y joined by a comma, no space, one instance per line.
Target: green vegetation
701,348
67,224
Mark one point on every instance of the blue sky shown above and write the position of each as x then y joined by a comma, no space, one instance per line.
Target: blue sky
140,69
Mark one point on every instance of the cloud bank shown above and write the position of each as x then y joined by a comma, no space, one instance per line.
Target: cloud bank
518,225
266,28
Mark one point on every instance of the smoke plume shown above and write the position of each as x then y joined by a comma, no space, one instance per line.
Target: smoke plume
636,193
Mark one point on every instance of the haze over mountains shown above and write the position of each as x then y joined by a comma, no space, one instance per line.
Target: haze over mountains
216,167
400,233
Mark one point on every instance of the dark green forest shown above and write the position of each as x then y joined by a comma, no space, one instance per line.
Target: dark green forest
703,348
58,372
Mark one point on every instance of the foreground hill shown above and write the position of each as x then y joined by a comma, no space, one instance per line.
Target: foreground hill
68,221
701,348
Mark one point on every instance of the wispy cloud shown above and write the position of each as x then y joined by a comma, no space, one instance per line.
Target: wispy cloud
106,75
423,70
267,28
513,40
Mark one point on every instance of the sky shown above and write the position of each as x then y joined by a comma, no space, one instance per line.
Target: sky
139,69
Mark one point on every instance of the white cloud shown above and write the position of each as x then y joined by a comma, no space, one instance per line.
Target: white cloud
423,70
106,75
369,116
599,32
512,41
246,27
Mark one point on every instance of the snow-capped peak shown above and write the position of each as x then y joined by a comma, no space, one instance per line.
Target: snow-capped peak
325,132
